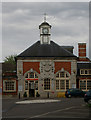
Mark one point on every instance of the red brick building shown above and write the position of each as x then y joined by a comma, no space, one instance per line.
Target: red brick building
83,69
9,79
45,67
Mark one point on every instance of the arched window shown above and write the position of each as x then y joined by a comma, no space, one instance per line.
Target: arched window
62,80
31,75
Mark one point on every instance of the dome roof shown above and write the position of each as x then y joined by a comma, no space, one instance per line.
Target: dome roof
43,24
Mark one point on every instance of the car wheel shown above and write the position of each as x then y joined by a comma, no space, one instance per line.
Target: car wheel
69,96
89,101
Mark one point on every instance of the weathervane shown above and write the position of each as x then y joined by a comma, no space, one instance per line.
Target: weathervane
44,17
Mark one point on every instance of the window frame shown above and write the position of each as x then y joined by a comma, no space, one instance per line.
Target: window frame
84,70
65,78
86,84
28,74
4,86
44,84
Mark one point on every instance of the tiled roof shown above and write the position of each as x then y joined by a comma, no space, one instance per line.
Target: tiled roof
46,50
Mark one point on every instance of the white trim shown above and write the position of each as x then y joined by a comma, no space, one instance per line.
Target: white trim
51,59
30,72
62,78
83,62
4,89
85,82
84,71
83,48
50,85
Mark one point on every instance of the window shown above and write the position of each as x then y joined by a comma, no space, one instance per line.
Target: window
26,76
62,74
67,84
31,75
36,76
57,84
62,84
26,85
47,84
57,75
9,85
85,84
62,81
67,75
82,71
85,72
88,84
90,72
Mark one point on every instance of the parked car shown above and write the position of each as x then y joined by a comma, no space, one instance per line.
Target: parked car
87,97
74,92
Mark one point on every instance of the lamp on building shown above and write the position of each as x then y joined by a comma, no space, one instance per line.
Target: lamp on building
20,72
62,70
74,71
31,70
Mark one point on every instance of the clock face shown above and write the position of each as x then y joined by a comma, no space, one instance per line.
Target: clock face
45,30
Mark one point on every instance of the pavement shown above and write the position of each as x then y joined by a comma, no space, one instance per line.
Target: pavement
63,108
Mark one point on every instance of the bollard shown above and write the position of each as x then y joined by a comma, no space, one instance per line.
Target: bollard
19,95
48,95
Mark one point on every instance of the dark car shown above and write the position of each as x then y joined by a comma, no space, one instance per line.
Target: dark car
87,97
74,92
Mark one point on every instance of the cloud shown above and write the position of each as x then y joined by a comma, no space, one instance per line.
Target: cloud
70,24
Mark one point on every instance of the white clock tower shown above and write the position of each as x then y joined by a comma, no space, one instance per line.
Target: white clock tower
45,32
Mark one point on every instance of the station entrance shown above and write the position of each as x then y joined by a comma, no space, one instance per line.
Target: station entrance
31,84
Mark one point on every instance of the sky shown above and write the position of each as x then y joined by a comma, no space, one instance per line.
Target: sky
21,20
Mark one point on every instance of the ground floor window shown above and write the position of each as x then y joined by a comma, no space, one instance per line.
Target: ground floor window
47,84
85,84
9,85
26,85
62,80
31,84
62,84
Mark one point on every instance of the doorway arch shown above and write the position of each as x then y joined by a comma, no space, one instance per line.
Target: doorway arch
31,83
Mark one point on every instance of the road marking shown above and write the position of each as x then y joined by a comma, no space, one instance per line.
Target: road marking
37,101
49,113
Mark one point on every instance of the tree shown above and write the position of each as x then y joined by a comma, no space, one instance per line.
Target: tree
9,63
10,59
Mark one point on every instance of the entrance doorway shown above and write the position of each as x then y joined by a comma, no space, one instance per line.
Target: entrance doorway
31,89
31,84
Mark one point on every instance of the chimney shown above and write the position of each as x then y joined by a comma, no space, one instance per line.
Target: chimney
82,50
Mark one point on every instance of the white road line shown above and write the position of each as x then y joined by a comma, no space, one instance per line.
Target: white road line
49,113
37,101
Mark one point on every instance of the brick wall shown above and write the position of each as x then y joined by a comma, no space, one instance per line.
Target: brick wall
65,65
82,50
28,65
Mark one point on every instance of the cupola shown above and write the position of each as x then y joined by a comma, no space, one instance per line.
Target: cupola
45,32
